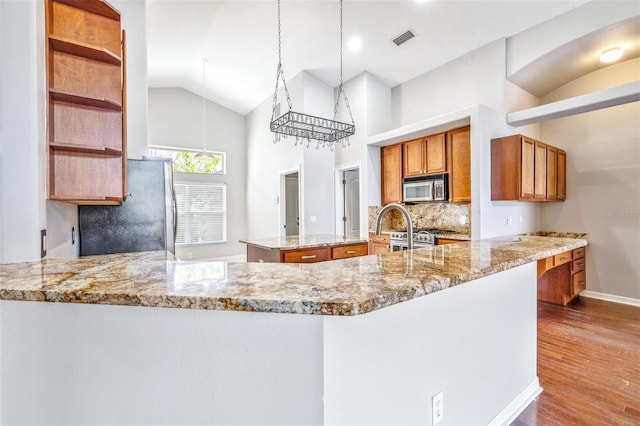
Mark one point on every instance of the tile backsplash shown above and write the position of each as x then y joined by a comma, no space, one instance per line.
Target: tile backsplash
425,215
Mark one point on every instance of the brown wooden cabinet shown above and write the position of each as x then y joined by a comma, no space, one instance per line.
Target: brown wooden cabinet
391,165
525,169
425,156
306,255
443,241
562,277
379,244
86,106
459,164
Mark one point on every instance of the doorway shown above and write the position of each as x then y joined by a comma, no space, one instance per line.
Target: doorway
291,204
349,205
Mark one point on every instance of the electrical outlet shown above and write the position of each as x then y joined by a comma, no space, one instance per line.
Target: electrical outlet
509,220
437,408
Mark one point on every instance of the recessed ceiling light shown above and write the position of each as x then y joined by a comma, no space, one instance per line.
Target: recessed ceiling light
354,44
611,55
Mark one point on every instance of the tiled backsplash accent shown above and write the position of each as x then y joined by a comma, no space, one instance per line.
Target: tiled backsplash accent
425,215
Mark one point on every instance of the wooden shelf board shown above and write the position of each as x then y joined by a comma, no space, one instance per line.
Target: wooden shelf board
88,200
99,7
100,150
85,50
92,101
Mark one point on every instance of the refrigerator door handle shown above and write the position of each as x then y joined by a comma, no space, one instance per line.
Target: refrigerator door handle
174,205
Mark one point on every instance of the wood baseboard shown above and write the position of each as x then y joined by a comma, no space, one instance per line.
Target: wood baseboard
610,298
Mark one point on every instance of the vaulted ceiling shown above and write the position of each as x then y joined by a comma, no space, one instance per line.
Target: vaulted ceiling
239,40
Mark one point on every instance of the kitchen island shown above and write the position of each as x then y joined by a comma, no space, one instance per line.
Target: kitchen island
466,327
304,248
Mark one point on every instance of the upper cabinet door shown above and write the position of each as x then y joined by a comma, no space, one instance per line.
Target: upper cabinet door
414,158
459,146
540,174
391,160
527,182
436,161
552,168
561,176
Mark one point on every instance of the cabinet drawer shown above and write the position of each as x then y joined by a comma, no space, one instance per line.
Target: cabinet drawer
579,283
307,256
342,252
578,253
562,258
379,239
577,265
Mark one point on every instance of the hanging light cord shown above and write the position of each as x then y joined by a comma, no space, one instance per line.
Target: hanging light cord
340,88
204,108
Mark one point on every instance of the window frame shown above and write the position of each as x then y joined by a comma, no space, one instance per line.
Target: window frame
193,151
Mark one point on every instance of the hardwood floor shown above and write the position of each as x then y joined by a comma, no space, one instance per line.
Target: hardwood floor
588,365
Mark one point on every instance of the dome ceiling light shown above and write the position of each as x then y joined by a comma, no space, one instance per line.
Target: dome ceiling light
611,55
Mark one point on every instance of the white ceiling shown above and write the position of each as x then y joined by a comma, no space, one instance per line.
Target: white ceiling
239,39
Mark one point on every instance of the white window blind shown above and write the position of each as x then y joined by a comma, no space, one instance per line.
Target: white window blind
202,213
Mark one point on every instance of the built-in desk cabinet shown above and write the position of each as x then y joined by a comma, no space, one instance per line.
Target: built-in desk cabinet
562,277
86,148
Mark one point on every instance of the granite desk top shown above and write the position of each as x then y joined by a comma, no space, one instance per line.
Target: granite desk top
341,287
302,241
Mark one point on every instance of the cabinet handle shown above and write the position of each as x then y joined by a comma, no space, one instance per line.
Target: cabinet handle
563,258
313,256
352,251
379,239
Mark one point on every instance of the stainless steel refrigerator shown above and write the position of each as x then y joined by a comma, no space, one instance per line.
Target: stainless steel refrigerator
146,220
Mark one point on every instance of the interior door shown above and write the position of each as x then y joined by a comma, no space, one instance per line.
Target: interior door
292,210
351,184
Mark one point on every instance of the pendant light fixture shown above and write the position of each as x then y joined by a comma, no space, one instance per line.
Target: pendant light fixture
204,155
304,127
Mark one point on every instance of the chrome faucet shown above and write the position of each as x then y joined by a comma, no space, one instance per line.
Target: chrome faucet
407,216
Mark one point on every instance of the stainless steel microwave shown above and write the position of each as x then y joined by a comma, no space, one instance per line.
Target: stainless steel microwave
425,188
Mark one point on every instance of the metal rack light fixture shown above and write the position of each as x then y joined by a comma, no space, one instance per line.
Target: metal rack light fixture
305,127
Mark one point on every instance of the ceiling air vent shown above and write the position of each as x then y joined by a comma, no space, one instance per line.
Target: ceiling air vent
404,37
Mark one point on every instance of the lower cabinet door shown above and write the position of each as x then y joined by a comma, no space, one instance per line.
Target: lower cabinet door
307,256
342,252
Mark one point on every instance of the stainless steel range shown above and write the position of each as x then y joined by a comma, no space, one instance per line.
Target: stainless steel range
421,238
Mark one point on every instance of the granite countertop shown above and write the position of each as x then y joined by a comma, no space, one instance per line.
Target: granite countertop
302,241
341,287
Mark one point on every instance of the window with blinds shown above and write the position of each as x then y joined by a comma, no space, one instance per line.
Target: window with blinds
202,213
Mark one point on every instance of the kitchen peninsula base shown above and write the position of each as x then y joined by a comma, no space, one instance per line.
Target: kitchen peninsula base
71,363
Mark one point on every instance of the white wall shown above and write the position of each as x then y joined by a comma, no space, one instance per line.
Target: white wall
65,363
474,78
133,15
22,130
603,181
317,175
175,120
384,367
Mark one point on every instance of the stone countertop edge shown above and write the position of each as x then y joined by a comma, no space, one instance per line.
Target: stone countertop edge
296,242
343,287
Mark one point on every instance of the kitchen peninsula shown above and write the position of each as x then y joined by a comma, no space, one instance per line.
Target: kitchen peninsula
382,334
